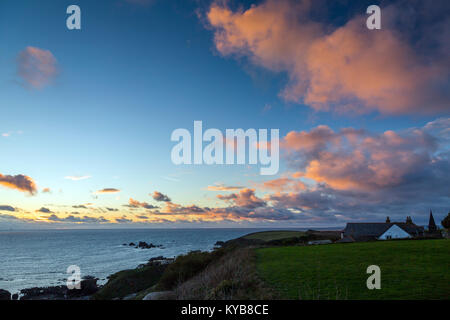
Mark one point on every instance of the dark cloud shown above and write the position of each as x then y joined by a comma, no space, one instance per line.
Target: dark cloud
136,204
73,219
44,210
158,196
123,220
7,208
19,182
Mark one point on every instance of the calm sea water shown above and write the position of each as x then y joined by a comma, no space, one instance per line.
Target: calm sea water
40,258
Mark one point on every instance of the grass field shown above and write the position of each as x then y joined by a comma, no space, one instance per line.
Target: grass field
273,235
409,270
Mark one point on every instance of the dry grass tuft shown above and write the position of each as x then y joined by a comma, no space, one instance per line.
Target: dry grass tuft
233,276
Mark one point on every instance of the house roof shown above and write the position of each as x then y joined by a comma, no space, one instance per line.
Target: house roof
366,230
412,229
372,230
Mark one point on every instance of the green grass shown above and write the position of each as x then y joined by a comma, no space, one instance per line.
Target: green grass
273,235
409,270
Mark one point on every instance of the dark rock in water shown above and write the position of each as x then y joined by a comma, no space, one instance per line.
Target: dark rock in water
15,296
44,293
5,295
145,245
219,244
131,244
88,286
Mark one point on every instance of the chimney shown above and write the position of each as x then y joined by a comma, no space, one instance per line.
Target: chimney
388,220
409,220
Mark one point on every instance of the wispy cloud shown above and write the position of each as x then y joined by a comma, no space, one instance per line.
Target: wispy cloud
77,178
222,187
107,191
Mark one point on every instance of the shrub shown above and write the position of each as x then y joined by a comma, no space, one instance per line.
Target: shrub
187,266
232,276
446,222
126,282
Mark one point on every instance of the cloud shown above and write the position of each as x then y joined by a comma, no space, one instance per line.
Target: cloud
7,208
73,219
245,198
81,206
44,210
342,67
282,184
19,182
352,159
123,220
222,187
36,67
107,191
136,204
158,196
77,178
46,190
112,209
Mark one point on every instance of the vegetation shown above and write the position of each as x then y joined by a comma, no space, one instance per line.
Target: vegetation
232,276
127,282
273,235
409,270
446,222
185,267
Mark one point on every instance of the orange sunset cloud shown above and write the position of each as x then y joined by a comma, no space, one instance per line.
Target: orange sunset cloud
345,69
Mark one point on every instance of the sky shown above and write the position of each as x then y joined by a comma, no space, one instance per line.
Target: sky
87,115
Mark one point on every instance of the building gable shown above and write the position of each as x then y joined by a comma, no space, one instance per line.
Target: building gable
394,232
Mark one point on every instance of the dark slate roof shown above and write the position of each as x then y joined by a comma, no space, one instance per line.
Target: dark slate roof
372,230
412,229
366,230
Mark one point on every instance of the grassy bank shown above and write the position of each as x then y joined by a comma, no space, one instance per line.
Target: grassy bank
409,270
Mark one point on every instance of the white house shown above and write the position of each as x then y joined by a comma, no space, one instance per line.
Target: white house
394,232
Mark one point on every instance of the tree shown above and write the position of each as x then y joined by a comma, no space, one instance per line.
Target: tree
446,222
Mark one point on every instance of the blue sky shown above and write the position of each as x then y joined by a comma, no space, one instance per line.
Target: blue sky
134,73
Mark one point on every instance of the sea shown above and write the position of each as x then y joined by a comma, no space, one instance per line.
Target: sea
39,258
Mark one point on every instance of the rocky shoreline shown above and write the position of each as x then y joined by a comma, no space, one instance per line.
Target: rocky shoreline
88,285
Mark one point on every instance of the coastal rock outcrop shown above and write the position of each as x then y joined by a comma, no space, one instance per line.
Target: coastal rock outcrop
5,295
143,245
88,286
160,295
